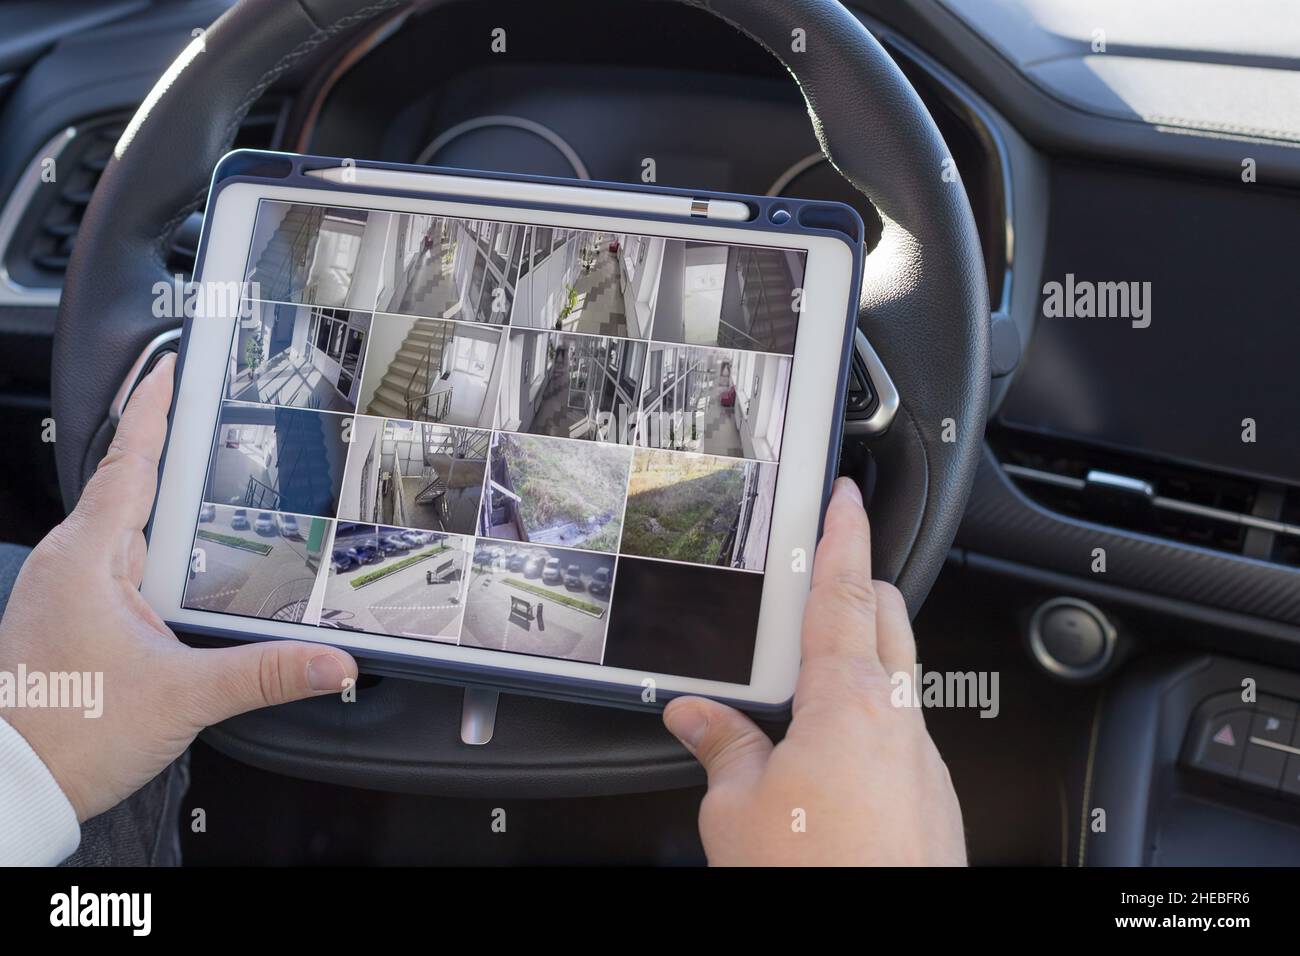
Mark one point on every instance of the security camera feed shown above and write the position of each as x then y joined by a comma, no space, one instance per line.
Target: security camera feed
743,297
532,440
597,283
403,582
452,268
554,491
715,401
550,602
317,255
699,509
278,459
255,563
302,356
571,386
414,474
431,370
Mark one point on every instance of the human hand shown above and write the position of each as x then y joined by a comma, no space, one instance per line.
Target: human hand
868,779
76,607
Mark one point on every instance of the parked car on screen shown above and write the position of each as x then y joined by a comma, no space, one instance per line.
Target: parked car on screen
573,577
417,539
289,526
265,523
393,544
551,571
368,554
207,513
343,559
599,582
239,520
517,561
533,565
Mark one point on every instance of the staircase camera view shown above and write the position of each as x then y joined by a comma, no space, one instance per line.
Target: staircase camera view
278,459
304,356
451,268
552,491
550,602
398,581
571,386
699,509
716,401
415,475
467,431
317,255
593,282
255,563
743,297
431,370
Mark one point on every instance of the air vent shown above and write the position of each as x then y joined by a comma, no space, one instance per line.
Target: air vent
1195,506
43,235
39,250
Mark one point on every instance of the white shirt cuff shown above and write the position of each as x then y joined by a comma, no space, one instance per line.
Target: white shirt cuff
38,826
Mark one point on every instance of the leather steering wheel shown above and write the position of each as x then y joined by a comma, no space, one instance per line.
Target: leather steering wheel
924,308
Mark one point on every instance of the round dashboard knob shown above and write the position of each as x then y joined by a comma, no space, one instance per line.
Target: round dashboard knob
1071,639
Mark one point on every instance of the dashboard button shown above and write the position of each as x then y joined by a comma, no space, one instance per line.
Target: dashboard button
1262,766
1222,743
1274,728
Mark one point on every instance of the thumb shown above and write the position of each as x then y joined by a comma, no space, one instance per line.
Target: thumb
727,744
235,680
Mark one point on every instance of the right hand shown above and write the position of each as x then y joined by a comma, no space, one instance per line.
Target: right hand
863,774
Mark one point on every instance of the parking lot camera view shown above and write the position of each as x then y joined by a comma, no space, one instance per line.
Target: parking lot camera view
255,563
551,602
468,432
397,581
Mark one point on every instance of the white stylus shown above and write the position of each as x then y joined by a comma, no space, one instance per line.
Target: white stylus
613,200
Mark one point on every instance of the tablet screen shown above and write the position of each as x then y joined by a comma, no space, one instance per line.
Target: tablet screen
533,440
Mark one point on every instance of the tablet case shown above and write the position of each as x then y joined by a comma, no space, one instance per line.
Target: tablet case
771,214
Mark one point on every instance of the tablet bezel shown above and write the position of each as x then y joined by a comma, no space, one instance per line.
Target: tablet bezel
810,449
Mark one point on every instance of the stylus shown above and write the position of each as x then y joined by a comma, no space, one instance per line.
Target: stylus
613,200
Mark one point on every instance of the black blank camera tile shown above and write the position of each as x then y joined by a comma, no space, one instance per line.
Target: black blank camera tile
688,620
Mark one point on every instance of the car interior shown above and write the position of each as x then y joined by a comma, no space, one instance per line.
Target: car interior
1078,282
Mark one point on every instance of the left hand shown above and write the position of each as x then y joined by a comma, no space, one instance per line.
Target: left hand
76,606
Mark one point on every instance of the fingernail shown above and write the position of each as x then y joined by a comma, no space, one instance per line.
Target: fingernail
847,486
687,723
325,672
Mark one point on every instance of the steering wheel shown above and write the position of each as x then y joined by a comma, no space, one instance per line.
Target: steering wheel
924,308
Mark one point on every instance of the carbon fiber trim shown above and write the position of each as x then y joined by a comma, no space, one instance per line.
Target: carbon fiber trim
1002,522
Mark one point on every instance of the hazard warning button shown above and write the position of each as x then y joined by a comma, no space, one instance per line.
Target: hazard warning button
1222,742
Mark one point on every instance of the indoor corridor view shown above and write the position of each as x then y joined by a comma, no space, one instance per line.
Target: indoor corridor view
715,401
597,300
298,355
429,285
572,386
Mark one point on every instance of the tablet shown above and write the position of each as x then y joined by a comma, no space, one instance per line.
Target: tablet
534,434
